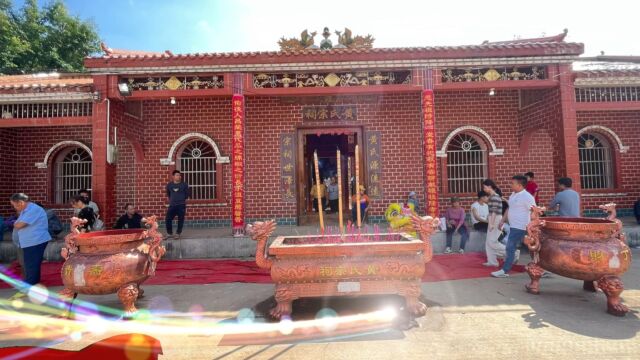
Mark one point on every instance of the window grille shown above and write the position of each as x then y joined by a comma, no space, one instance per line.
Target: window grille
608,94
466,164
72,173
596,171
45,110
197,162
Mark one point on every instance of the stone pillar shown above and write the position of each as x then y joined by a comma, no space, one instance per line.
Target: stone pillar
568,129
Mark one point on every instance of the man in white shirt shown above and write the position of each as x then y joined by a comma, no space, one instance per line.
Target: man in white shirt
479,212
518,215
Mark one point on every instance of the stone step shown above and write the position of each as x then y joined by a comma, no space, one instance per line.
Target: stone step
244,247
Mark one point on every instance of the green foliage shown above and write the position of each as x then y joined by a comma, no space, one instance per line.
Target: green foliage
47,39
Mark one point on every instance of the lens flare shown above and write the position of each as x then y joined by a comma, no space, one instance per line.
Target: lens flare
38,294
327,319
286,326
246,316
76,336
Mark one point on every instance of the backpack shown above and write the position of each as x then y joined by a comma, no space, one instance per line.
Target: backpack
55,225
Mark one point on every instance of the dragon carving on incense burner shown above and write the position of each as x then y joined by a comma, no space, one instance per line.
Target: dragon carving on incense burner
260,232
426,227
70,240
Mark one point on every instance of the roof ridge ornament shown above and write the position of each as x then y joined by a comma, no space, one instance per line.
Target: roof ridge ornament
345,41
555,38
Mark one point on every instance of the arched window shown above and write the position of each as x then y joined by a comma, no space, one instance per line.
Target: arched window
72,172
197,162
596,169
466,164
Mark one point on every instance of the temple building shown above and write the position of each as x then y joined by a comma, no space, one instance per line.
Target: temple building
244,127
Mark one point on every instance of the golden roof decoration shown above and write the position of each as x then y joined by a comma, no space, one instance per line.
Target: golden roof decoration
345,40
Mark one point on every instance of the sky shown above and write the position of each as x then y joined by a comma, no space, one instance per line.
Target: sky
189,26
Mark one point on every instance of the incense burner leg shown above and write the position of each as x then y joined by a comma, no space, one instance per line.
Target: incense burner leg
589,286
612,287
535,273
284,299
411,293
140,292
128,294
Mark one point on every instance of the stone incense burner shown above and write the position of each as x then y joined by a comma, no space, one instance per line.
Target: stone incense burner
348,265
111,261
588,249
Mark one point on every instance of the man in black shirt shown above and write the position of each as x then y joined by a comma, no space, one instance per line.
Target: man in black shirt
177,192
130,220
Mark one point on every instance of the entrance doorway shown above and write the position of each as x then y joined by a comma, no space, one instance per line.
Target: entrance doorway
326,142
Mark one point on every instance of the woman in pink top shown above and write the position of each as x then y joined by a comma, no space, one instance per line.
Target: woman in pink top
455,216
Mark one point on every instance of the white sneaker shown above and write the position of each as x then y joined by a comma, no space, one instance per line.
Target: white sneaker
499,274
447,250
517,257
461,251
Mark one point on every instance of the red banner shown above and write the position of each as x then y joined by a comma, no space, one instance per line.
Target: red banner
237,165
431,172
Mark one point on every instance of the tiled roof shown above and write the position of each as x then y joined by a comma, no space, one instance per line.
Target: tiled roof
554,45
44,81
607,73
123,52
568,48
556,38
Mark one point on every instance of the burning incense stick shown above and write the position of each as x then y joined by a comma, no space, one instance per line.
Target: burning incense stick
339,175
357,189
320,205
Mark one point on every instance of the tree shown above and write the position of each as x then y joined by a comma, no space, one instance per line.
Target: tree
48,39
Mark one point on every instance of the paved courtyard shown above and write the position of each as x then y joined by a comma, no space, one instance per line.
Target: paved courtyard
467,319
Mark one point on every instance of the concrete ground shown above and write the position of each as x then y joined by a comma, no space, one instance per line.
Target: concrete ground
467,319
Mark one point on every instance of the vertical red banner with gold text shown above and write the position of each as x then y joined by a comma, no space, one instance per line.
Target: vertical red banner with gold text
237,165
431,172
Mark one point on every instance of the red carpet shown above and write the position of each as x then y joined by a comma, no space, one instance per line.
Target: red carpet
184,272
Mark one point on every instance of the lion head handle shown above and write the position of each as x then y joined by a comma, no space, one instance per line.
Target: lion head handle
70,240
425,226
156,250
610,209
534,228
260,232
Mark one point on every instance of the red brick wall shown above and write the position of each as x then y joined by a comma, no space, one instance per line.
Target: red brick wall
125,176
124,172
396,116
38,183
627,165
528,136
540,142
8,160
500,117
163,124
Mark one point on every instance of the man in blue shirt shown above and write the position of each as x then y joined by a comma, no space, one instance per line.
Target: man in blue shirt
32,233
567,201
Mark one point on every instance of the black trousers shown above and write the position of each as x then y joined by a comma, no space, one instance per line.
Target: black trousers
315,203
481,226
33,256
172,212
333,204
